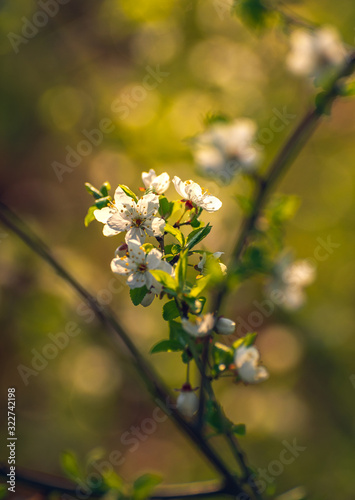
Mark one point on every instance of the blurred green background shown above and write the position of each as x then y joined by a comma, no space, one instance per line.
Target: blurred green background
84,65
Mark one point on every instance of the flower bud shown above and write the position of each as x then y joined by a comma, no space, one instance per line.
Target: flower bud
225,326
148,299
122,250
187,401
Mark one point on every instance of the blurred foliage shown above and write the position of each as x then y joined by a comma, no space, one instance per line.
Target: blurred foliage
109,89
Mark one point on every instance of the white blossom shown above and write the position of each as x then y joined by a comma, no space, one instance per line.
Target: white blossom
187,401
225,326
200,326
159,184
201,266
247,362
138,219
286,288
137,264
226,148
195,196
314,53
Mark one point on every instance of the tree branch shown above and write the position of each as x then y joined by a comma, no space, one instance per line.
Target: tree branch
155,385
278,167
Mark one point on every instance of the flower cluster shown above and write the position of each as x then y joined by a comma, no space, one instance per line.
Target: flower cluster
315,53
157,267
226,149
289,279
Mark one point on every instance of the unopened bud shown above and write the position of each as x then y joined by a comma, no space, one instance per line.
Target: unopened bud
225,326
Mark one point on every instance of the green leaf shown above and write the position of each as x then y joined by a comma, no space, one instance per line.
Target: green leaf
166,346
105,188
197,235
213,118
196,223
200,286
173,249
246,341
177,333
170,310
165,207
222,355
144,486
166,280
93,191
113,480
70,465
176,233
253,13
148,247
214,416
181,269
138,294
103,202
128,192
90,215
239,429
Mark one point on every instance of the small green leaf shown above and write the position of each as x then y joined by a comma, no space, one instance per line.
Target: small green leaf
197,235
173,249
213,118
246,341
148,247
128,192
166,280
103,202
105,188
177,333
93,191
196,223
166,346
165,207
113,480
170,310
181,269
239,429
138,294
222,355
176,233
200,286
253,13
70,465
214,416
90,215
144,486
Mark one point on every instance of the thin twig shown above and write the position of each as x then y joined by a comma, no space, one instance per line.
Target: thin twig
278,167
154,384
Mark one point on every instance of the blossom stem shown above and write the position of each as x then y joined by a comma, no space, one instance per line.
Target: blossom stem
155,385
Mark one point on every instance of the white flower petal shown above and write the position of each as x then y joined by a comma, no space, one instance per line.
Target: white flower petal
103,214
180,187
210,203
148,177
